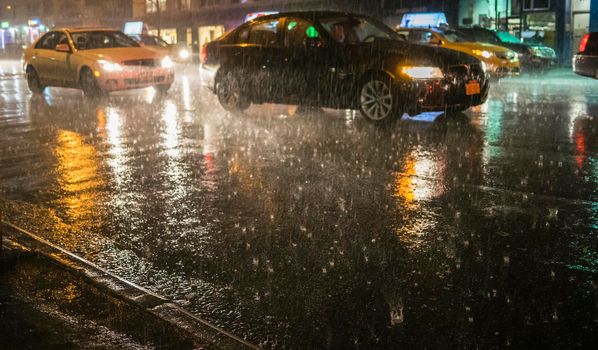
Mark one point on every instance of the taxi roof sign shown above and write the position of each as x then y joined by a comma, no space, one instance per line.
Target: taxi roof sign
423,20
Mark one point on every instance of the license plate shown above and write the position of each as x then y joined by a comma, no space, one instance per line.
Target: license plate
472,87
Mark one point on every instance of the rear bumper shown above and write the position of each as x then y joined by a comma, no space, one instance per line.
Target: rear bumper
585,65
207,75
135,78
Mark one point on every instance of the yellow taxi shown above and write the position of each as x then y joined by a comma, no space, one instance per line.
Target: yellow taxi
499,60
97,61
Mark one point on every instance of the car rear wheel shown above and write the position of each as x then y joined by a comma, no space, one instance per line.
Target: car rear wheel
230,94
89,84
377,102
33,81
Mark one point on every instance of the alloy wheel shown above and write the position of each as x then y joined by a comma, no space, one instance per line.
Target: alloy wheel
376,100
230,94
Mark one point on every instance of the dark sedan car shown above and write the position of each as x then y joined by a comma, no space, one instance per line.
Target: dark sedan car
586,60
338,60
531,56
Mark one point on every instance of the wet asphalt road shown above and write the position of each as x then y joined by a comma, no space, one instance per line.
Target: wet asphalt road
315,229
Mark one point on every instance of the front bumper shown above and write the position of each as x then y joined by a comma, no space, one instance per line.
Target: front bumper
135,78
504,68
537,62
449,93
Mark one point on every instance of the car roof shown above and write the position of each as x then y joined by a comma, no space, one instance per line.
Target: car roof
469,29
309,14
90,29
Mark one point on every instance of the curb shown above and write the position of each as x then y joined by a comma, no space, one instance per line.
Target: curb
204,334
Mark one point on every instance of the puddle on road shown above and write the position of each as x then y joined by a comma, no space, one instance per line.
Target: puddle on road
314,229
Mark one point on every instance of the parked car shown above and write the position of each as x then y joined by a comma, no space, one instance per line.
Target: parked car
95,60
586,60
532,57
499,61
338,60
177,53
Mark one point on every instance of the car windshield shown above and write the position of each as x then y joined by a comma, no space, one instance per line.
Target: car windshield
356,30
151,40
101,39
507,37
454,36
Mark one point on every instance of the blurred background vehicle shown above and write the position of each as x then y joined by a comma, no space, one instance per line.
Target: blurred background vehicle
531,56
96,61
586,60
500,61
178,53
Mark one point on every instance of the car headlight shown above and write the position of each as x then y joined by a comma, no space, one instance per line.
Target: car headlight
167,62
108,66
184,54
422,72
483,53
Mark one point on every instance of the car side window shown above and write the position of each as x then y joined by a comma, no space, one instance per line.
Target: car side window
47,42
421,37
403,34
61,39
243,35
297,31
264,33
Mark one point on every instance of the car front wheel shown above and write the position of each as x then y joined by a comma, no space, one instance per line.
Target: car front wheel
230,94
377,102
33,81
89,84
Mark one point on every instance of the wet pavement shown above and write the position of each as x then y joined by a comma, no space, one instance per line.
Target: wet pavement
315,229
44,307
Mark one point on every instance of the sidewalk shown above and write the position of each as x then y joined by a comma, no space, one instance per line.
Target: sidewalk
44,307
52,299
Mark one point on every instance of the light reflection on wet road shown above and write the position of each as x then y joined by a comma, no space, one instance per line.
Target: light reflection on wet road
315,229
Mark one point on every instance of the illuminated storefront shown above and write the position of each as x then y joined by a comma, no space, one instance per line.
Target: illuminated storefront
554,23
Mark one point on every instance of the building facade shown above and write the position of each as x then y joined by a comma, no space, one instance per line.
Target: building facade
23,21
559,24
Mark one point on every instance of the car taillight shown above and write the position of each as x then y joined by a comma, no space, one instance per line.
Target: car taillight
584,42
203,55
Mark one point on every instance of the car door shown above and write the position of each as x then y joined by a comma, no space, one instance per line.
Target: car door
304,61
323,62
263,60
63,70
42,58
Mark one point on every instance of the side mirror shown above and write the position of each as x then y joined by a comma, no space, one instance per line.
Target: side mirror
63,48
437,42
312,43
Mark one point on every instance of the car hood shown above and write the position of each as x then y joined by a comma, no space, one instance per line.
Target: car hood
121,54
517,47
423,55
477,46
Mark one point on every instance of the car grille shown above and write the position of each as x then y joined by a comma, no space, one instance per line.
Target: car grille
141,63
459,75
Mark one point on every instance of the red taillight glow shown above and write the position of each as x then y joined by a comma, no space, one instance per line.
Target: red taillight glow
584,42
203,55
